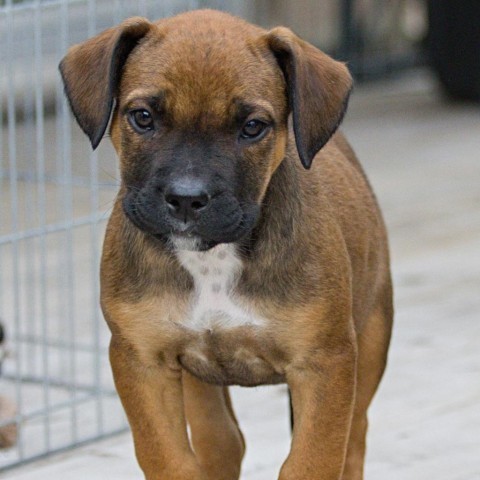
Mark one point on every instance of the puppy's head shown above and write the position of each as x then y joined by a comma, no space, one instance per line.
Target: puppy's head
200,105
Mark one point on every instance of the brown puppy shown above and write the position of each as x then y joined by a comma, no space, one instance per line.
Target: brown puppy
225,260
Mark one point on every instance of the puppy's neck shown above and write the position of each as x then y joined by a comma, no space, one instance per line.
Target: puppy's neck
281,210
215,275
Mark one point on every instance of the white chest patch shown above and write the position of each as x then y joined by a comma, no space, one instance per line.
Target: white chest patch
215,274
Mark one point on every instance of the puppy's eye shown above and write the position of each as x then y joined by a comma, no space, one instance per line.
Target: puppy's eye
253,129
141,120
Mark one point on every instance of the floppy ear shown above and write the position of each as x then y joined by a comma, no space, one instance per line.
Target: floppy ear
91,74
318,88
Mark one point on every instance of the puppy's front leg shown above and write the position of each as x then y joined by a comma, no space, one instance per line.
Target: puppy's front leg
153,400
323,391
216,437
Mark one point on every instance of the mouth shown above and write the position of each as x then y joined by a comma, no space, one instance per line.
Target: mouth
189,239
198,235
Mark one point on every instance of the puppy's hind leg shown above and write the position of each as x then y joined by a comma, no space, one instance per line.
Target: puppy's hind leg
373,343
217,440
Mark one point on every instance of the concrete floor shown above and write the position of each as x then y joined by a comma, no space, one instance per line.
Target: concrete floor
423,159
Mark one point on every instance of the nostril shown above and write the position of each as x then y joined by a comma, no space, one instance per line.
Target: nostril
186,206
173,201
199,202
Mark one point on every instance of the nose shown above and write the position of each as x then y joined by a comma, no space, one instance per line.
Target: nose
186,199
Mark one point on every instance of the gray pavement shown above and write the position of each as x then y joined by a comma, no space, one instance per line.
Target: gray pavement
423,158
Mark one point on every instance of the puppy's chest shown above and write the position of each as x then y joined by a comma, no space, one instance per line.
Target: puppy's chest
227,342
214,304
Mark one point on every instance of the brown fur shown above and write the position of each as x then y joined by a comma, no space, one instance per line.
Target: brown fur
315,264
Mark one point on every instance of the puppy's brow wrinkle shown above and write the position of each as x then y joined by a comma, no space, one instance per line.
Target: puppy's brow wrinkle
155,97
261,108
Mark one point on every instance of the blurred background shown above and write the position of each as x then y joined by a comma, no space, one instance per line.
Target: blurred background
414,120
